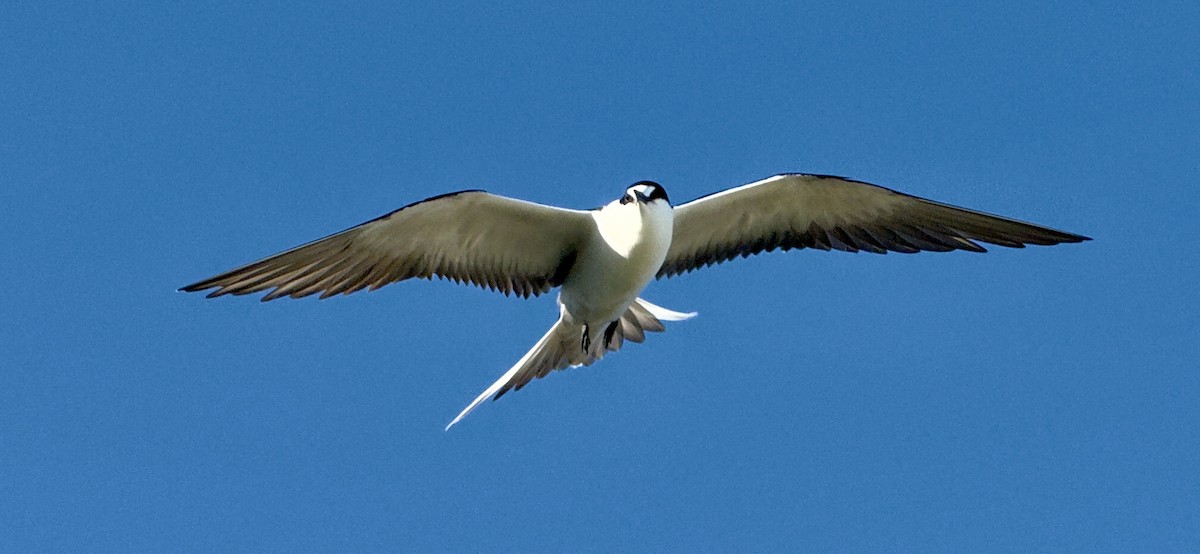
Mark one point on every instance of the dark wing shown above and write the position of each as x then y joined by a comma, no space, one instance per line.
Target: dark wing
491,241
832,213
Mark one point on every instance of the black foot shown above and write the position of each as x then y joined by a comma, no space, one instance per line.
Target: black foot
608,333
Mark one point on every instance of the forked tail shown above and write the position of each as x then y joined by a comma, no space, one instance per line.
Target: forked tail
560,348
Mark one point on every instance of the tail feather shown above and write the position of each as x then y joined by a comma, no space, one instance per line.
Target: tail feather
630,329
663,313
548,352
559,349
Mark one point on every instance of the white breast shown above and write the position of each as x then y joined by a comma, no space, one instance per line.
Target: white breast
628,249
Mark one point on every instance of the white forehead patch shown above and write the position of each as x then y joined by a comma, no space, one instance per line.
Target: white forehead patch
644,189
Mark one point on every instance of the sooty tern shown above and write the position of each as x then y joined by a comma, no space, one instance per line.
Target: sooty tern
603,258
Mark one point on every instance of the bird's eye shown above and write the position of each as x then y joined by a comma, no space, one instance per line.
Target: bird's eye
627,199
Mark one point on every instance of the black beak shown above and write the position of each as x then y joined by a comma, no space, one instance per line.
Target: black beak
635,196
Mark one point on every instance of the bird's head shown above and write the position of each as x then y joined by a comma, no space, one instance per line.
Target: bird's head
645,192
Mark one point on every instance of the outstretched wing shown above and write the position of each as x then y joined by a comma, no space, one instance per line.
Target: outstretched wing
491,241
832,213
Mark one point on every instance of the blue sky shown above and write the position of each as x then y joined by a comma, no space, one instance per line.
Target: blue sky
1040,399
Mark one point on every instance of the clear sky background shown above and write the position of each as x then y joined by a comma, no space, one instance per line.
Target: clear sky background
1041,399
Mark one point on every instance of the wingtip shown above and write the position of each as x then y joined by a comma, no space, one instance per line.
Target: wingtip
1061,237
201,287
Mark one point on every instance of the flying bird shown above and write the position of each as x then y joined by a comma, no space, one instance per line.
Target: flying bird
601,259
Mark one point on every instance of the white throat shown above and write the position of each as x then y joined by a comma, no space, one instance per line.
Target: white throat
636,228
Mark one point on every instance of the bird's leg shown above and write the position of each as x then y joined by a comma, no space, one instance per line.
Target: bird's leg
586,341
608,333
